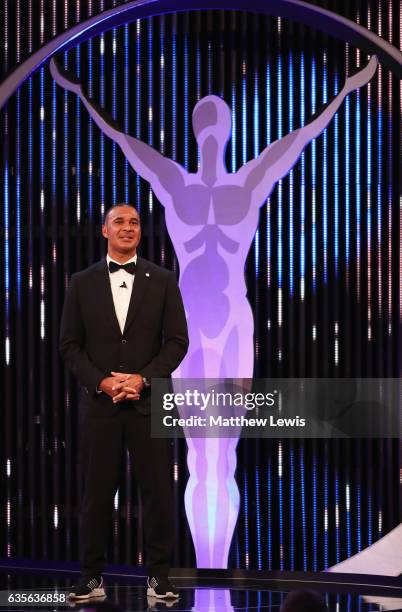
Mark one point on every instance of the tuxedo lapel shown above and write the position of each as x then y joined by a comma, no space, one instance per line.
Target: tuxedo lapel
140,287
104,290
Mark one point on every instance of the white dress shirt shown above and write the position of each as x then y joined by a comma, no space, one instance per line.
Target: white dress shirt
121,283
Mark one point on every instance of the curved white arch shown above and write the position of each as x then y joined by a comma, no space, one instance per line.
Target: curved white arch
295,10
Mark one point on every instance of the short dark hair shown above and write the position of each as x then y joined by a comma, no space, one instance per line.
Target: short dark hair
304,601
105,216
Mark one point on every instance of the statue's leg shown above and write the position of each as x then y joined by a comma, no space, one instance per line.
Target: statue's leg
212,496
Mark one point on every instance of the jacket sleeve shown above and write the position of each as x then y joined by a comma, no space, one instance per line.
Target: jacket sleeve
72,335
175,335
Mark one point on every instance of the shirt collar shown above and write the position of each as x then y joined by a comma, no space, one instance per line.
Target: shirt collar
134,259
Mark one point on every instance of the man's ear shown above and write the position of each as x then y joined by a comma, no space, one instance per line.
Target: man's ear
104,231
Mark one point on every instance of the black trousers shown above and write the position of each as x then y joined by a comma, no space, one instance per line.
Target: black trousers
101,443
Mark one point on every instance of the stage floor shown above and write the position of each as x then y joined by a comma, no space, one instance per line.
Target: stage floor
129,595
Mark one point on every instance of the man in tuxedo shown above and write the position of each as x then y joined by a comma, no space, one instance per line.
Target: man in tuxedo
123,324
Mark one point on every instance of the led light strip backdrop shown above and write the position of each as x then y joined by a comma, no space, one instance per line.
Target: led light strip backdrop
322,273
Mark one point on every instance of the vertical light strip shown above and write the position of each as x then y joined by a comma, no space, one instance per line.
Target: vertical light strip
54,17
302,190
244,109
358,495
78,126
256,142
174,86
19,401
6,30
174,97
162,59
222,46
293,522
303,505
269,510
114,113
379,525
268,142
126,106
138,200
336,186
68,213
280,200
102,103
358,50
42,311
326,340
400,197
368,220
185,86
389,184
17,31
210,70
116,514
150,103
7,347
90,139
65,150
348,530
138,104
42,173
291,179
336,225
66,269
313,182
379,172
162,137
233,97
54,299
198,57
325,179
280,289
347,176
337,519
198,67
244,146
326,506
18,166
246,518
358,183
42,181
315,507
369,493
258,512
280,509
315,240
336,343
32,473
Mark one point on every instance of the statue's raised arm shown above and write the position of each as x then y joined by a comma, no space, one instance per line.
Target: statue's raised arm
261,174
151,165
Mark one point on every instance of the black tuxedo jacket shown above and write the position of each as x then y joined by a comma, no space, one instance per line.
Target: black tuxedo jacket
154,341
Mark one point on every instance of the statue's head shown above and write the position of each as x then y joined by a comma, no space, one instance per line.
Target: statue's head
211,117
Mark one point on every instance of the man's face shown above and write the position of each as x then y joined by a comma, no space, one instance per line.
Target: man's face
122,230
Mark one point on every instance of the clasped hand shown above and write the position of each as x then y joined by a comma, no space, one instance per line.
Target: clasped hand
122,386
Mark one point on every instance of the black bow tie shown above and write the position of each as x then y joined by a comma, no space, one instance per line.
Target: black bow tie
129,267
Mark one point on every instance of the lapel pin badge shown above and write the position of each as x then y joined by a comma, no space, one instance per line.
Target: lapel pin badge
147,274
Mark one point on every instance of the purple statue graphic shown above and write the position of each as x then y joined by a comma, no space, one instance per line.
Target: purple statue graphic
212,216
